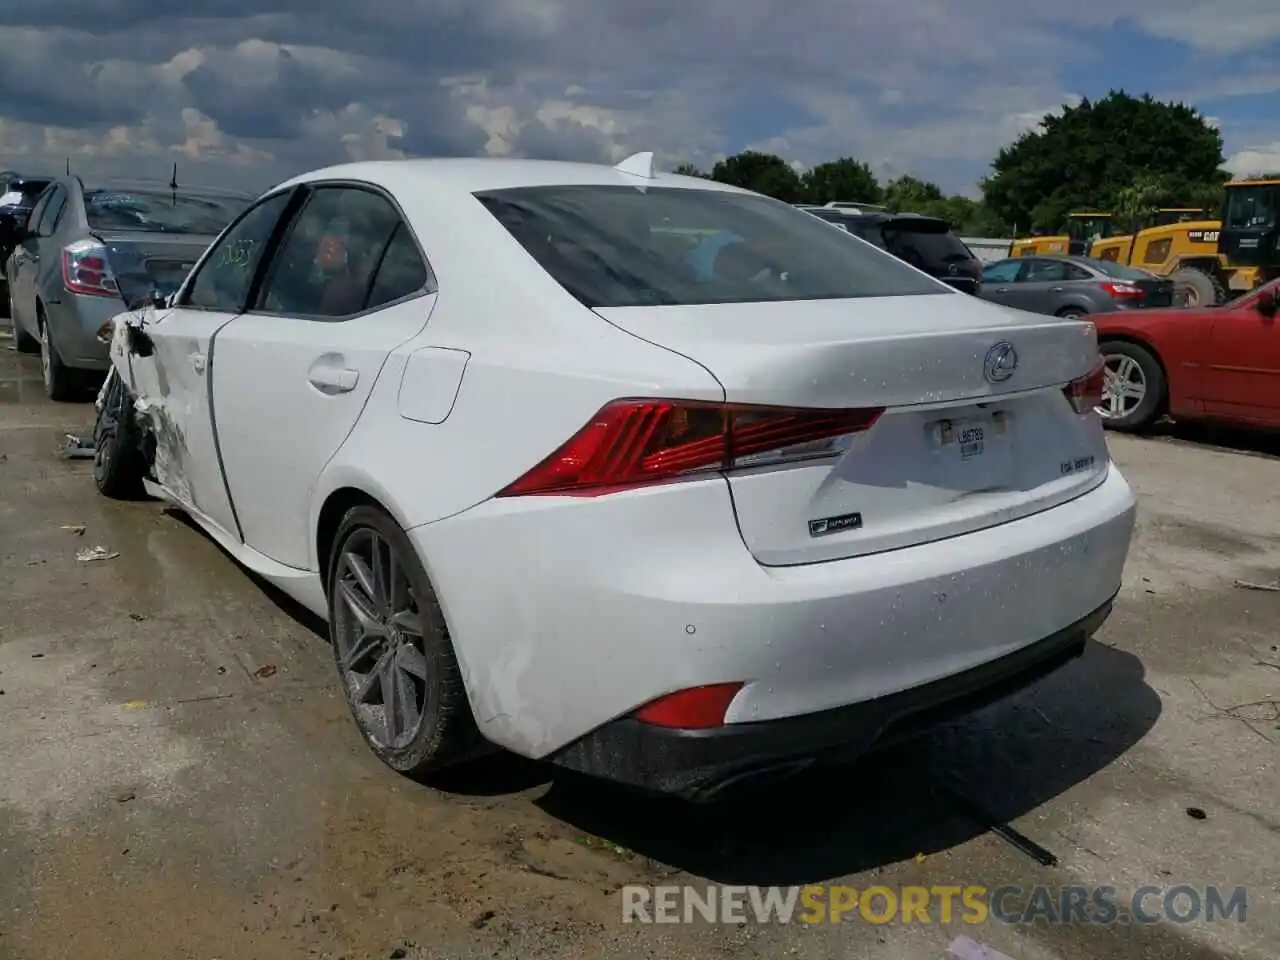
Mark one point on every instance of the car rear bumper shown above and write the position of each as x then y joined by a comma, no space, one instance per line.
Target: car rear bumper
569,613
698,764
74,322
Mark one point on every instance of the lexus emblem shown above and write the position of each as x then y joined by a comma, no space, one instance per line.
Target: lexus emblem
1001,361
952,270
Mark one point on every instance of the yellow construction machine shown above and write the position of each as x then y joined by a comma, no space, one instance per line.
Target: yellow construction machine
1207,259
1083,229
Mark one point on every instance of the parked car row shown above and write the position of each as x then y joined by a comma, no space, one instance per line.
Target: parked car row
83,252
18,194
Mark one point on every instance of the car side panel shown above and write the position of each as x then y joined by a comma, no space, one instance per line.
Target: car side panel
525,390
1179,339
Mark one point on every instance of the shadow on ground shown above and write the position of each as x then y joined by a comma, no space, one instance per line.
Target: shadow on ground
1008,759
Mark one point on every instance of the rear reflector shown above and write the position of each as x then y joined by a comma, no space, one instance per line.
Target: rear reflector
1085,392
631,443
698,708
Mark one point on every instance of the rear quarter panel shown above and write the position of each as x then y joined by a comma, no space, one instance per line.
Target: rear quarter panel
1178,338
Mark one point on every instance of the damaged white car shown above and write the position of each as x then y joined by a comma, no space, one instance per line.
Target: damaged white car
648,476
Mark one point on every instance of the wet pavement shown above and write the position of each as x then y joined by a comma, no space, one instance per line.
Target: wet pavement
179,776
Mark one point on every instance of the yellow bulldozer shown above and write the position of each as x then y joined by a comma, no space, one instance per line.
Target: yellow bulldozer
1082,230
1207,259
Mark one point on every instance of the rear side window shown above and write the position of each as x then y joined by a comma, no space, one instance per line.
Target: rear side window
160,211
52,212
346,252
618,246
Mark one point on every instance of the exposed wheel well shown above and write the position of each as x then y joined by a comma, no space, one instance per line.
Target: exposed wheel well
1138,342
331,514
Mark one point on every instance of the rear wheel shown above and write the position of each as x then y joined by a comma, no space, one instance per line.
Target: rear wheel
1073,313
393,651
1134,389
1193,287
61,383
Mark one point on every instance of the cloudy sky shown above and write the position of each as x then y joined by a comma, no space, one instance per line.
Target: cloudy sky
248,92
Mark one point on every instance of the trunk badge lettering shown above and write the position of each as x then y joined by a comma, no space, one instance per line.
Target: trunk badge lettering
829,525
1001,361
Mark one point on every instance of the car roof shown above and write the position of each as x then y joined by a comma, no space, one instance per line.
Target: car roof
479,174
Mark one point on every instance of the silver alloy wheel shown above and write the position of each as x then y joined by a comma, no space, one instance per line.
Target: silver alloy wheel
379,638
1124,386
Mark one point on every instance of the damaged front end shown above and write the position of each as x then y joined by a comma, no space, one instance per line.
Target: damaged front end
123,437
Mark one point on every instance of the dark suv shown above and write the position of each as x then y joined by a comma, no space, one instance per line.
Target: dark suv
18,194
926,243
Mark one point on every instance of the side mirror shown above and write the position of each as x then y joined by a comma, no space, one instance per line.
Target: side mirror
1268,305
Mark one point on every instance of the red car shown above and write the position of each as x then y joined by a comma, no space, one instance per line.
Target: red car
1197,363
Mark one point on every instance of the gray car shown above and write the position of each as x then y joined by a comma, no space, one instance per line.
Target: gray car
1072,286
86,252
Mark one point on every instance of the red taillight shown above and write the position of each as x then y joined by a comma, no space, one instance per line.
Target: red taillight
1085,392
630,443
85,270
1118,290
698,708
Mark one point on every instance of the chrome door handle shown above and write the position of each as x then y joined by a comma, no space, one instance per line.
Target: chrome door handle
1055,289
334,379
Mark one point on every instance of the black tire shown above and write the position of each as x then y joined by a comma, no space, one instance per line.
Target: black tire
445,732
1072,312
1151,406
61,383
23,342
1193,287
119,466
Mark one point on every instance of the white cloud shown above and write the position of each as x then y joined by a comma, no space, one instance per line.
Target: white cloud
1264,158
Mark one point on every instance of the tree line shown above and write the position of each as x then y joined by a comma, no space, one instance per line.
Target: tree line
1122,154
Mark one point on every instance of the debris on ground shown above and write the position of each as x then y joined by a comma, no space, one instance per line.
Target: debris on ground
77,448
1195,813
76,528
1272,587
90,554
265,671
962,948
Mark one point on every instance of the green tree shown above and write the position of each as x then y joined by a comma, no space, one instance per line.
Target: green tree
1085,156
765,173
689,170
911,194
844,179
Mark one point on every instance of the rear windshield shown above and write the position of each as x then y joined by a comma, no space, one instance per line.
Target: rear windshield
928,246
1118,270
616,246
160,212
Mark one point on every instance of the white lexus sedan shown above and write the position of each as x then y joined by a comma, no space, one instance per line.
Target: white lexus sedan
647,476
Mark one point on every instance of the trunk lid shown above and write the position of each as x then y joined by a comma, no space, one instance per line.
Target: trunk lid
1156,292
144,261
953,452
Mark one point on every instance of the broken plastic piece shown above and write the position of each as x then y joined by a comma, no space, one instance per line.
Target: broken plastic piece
90,554
77,448
637,165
